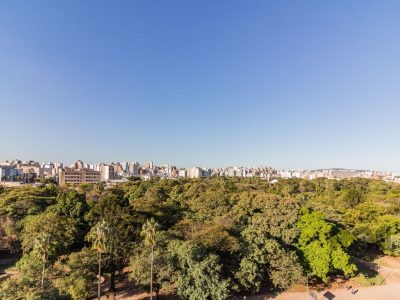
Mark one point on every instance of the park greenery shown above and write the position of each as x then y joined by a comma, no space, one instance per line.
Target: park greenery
197,238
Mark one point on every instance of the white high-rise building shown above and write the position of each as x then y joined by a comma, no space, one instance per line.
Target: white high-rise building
106,172
195,172
182,173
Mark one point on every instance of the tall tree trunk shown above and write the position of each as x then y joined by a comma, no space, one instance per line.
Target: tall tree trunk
151,273
43,271
99,279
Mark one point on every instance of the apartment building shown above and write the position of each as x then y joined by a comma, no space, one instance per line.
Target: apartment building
75,176
9,173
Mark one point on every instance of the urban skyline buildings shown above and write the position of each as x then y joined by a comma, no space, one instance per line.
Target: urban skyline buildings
17,172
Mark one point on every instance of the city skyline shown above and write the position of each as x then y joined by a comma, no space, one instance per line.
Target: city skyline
17,173
297,86
172,164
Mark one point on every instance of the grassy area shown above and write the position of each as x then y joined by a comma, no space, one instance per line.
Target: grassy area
366,281
367,274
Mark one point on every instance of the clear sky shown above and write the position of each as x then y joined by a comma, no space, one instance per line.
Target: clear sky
291,84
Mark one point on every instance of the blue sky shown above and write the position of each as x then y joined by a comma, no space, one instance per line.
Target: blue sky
292,84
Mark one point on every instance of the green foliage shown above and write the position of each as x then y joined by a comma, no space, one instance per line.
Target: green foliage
71,204
25,201
22,289
114,209
149,233
9,239
284,268
323,246
140,265
100,235
349,198
61,230
386,229
30,266
267,253
27,284
10,290
217,236
198,275
154,202
77,275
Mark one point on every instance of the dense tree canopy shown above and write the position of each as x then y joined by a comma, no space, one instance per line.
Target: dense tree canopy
215,237
323,245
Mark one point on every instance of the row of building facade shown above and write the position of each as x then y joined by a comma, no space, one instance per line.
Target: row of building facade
16,172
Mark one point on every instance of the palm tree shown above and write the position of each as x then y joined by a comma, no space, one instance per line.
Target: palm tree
44,245
149,233
98,236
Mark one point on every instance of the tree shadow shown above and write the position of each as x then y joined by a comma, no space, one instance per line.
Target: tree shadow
367,273
367,268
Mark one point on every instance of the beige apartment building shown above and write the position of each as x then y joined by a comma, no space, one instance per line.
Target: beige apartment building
75,177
